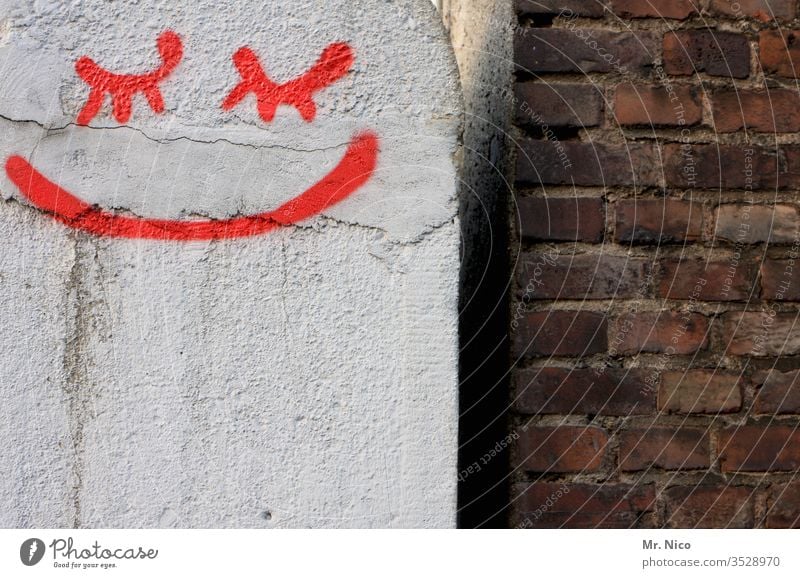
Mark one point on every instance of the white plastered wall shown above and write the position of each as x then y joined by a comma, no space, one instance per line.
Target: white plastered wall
302,378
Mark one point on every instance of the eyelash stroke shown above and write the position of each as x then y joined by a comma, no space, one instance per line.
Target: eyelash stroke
334,63
122,87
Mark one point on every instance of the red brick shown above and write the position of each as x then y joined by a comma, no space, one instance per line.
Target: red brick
775,224
557,332
779,52
702,280
600,276
761,334
656,106
670,332
674,9
709,506
544,105
547,162
556,390
562,219
783,506
561,449
567,8
779,393
711,51
658,221
780,279
712,166
568,50
760,449
570,505
700,391
678,448
773,110
789,176
764,10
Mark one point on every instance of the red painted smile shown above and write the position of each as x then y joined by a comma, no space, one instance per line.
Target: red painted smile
352,172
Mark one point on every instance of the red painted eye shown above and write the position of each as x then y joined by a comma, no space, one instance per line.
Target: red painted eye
334,63
122,87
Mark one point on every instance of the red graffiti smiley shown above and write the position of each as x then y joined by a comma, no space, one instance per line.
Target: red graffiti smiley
334,63
353,171
122,87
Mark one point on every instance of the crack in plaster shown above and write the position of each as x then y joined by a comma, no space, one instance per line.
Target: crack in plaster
427,230
51,130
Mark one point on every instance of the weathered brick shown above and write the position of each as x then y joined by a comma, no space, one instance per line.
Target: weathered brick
557,332
749,224
585,50
678,448
779,52
709,506
773,110
761,334
670,332
712,166
656,106
700,391
714,52
764,10
561,449
554,505
567,8
586,164
544,105
674,9
779,392
562,219
780,279
759,449
783,506
737,272
789,169
658,221
702,280
599,276
556,390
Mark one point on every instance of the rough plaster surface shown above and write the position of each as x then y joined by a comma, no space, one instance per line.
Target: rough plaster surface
304,378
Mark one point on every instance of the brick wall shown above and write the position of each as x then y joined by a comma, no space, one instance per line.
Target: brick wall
654,312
